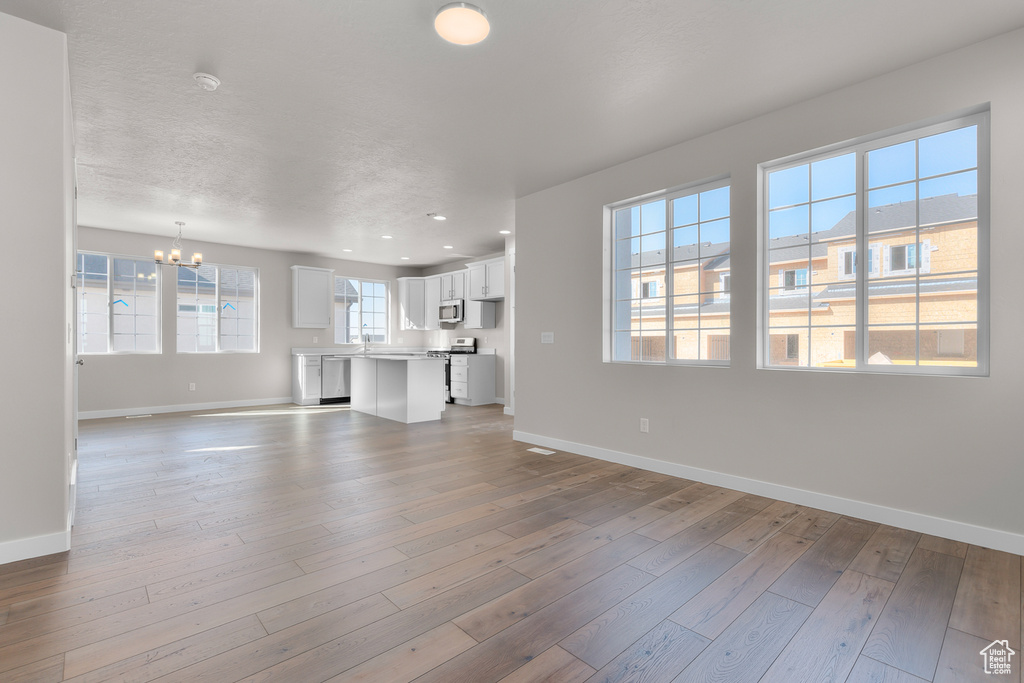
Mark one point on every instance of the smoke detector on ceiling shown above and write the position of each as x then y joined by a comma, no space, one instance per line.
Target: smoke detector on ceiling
206,81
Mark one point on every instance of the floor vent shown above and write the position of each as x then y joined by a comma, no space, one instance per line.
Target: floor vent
542,451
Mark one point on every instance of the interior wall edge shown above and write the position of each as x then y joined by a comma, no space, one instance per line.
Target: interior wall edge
995,539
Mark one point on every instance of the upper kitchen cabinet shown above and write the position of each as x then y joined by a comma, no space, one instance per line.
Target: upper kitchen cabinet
312,297
487,280
453,285
432,298
412,304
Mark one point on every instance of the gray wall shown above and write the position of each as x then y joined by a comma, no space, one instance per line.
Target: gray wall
161,380
35,408
941,447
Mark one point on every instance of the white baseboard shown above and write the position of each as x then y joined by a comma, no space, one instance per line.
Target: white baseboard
936,526
153,410
36,546
509,411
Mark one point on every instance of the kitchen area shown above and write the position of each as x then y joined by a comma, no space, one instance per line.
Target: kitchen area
400,382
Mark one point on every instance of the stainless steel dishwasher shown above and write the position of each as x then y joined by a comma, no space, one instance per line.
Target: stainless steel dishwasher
335,379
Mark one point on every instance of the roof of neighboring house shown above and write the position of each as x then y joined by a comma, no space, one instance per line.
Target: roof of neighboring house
941,210
944,209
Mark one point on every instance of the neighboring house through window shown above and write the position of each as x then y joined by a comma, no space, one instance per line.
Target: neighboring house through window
118,301
217,309
361,311
917,204
668,271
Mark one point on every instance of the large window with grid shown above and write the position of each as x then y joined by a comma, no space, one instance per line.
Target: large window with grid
361,311
118,302
217,309
670,277
876,254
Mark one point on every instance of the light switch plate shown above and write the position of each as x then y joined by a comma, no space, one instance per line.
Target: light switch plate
547,337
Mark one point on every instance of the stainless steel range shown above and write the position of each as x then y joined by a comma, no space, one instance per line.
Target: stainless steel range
459,346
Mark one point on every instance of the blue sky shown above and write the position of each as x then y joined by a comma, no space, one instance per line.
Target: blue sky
818,195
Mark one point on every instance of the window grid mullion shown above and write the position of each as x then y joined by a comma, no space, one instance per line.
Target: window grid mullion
670,287
861,275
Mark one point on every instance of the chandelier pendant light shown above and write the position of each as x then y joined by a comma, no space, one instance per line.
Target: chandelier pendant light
461,23
175,257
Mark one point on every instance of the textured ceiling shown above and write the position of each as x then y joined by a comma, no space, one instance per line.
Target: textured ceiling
342,120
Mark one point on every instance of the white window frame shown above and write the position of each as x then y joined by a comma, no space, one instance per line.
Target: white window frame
797,287
219,305
387,308
110,303
861,147
668,269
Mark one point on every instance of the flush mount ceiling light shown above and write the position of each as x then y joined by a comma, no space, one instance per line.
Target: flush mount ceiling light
461,23
175,257
437,216
207,82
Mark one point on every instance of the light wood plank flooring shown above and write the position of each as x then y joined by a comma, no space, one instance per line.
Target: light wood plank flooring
316,544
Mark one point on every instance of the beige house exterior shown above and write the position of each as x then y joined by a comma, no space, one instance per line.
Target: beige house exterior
922,293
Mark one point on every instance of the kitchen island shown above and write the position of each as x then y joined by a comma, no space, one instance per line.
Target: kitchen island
406,388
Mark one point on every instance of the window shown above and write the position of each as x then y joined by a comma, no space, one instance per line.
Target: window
669,277
217,309
794,279
917,204
361,311
118,304
847,261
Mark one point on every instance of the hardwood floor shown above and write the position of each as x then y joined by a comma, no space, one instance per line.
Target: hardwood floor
316,544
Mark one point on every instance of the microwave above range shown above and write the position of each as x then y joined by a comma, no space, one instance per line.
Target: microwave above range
451,311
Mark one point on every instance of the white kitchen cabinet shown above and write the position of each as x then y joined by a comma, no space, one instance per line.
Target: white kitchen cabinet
312,297
432,297
453,285
412,313
487,280
478,315
472,379
306,379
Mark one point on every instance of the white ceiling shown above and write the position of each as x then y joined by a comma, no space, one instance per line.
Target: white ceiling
342,120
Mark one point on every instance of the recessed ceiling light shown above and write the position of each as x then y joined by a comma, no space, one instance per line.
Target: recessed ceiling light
346,250
207,82
461,23
405,258
437,217
504,232
448,246
386,237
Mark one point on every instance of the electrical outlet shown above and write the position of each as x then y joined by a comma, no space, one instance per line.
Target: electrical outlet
485,340
401,339
645,425
316,340
191,386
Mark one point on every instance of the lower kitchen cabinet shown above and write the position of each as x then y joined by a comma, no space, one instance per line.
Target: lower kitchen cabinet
472,379
306,379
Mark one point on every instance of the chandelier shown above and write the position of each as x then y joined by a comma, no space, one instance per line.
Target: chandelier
175,257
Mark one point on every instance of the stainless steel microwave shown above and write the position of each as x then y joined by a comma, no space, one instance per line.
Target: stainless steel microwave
450,311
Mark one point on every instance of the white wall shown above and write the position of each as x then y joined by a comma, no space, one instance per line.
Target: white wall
133,382
938,454
35,419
